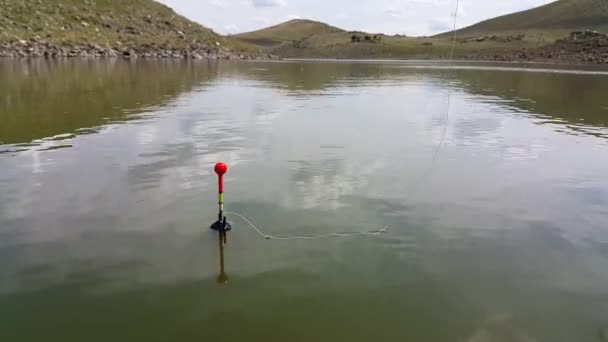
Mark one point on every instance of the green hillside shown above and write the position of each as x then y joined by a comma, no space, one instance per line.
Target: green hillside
289,31
72,28
366,45
539,34
103,22
311,39
558,17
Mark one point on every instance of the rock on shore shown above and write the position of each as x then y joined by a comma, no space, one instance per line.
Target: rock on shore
584,47
35,48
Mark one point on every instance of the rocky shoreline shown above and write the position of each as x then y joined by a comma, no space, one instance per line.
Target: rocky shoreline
586,47
35,48
581,47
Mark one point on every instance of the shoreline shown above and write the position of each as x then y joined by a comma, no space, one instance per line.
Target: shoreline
553,62
184,54
580,48
271,58
24,49
35,50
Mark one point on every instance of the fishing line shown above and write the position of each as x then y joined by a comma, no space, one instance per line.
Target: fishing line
446,125
307,237
370,232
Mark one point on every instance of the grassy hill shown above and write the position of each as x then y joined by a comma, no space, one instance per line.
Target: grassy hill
541,33
289,31
134,27
113,23
312,39
555,19
309,38
341,45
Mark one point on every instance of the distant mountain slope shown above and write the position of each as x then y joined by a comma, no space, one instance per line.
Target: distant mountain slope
562,15
103,22
289,31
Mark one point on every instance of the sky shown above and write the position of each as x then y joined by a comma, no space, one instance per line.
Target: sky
410,17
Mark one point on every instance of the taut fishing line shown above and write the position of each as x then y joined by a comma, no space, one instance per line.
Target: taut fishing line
424,175
439,146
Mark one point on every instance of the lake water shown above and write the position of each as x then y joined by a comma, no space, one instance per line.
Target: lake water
496,205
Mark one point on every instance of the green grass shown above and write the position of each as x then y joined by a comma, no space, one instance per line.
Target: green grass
542,26
555,18
104,22
144,23
306,38
339,45
292,30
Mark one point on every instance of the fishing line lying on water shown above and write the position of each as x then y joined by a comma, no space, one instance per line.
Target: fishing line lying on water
307,237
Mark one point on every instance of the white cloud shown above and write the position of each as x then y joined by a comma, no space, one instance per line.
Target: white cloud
393,12
291,17
231,28
217,3
261,21
267,3
342,16
440,25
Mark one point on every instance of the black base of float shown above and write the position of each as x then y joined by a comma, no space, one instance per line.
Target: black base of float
218,226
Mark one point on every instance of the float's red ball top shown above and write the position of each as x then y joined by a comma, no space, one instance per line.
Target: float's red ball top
221,169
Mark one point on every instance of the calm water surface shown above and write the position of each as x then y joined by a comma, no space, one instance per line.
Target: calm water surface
107,191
